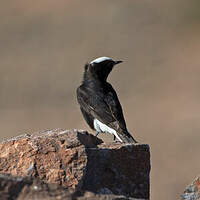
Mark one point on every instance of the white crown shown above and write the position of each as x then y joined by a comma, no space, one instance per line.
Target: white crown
100,59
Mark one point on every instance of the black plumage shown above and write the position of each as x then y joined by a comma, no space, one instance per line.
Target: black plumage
98,100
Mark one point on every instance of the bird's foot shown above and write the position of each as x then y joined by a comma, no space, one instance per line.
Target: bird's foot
97,133
117,142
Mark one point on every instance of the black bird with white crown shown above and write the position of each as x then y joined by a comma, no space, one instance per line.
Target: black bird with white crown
99,103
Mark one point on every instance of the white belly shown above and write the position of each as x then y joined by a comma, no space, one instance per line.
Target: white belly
100,127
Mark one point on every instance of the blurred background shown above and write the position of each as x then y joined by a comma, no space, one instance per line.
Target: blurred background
44,46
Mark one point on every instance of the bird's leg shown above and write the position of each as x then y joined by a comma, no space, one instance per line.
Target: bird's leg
97,133
116,141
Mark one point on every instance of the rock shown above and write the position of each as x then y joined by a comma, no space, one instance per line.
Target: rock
79,161
192,191
27,188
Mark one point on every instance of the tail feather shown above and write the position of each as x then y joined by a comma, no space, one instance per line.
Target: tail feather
126,137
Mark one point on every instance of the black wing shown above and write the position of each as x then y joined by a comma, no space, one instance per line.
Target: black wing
102,104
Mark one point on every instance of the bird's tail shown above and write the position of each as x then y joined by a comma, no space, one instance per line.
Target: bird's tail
126,137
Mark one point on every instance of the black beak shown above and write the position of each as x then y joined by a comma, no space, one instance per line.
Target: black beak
117,62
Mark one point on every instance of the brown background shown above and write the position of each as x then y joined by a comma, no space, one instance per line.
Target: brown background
44,45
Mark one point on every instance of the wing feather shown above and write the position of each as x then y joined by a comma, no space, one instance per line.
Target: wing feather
103,105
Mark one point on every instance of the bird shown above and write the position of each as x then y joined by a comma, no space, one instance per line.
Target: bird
99,102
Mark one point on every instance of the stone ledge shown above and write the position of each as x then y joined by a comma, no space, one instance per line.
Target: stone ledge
79,161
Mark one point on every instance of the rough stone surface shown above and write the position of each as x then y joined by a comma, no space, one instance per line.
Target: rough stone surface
192,191
79,161
27,188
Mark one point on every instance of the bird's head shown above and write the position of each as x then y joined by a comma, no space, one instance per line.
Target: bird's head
99,68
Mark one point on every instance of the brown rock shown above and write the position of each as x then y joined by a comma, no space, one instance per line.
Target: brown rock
80,161
27,188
